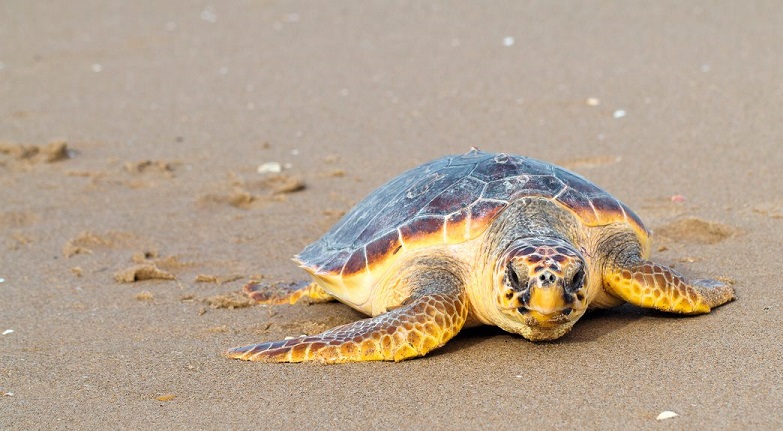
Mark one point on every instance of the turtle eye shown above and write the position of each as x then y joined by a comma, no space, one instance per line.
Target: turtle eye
512,276
577,281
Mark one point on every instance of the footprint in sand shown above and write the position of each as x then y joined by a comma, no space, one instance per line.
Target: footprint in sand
694,230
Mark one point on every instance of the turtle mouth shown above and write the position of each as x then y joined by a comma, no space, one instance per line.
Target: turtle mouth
544,319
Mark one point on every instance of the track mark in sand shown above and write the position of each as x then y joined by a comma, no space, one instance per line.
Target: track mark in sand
590,162
17,219
696,231
151,166
133,175
144,296
771,209
148,266
29,154
146,173
230,300
141,272
217,279
248,194
87,242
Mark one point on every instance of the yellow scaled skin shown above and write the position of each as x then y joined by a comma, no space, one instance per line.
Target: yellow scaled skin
431,318
651,285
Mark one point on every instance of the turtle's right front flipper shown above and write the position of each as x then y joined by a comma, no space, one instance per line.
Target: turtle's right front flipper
436,312
651,285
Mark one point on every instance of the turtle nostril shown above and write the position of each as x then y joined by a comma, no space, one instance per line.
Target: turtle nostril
546,278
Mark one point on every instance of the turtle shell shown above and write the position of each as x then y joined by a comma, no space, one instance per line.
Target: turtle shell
448,201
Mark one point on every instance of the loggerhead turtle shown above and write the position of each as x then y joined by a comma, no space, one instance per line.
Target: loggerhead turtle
478,238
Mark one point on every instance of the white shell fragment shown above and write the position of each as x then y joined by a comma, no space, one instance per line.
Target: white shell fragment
593,101
620,113
270,168
508,41
8,331
666,414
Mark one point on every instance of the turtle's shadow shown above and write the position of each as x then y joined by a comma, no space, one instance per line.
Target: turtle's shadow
591,327
599,323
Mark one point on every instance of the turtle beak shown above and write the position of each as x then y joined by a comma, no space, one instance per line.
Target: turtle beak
547,300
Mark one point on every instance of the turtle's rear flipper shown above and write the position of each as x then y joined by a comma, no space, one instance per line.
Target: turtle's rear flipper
285,293
652,285
434,315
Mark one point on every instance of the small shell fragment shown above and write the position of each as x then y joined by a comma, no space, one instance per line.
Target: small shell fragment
593,101
666,414
270,168
620,113
8,331
165,397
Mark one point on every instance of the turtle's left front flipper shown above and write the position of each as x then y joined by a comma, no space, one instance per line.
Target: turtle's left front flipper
436,312
651,285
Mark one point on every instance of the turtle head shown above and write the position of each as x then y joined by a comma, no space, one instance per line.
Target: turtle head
541,287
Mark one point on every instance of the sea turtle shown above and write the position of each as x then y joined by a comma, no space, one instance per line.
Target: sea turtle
478,238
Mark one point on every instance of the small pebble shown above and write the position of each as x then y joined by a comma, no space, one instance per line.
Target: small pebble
678,198
208,15
620,113
508,41
8,331
97,67
666,414
705,68
270,168
294,152
2,280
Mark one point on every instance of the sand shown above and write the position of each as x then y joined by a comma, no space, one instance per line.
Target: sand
132,212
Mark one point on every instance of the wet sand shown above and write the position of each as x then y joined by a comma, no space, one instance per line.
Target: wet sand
132,212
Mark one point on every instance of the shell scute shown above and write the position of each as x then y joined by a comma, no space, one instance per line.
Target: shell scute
384,246
541,185
481,215
457,196
356,263
422,229
499,166
580,204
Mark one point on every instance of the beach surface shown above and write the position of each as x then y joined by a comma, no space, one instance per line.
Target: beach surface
132,209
